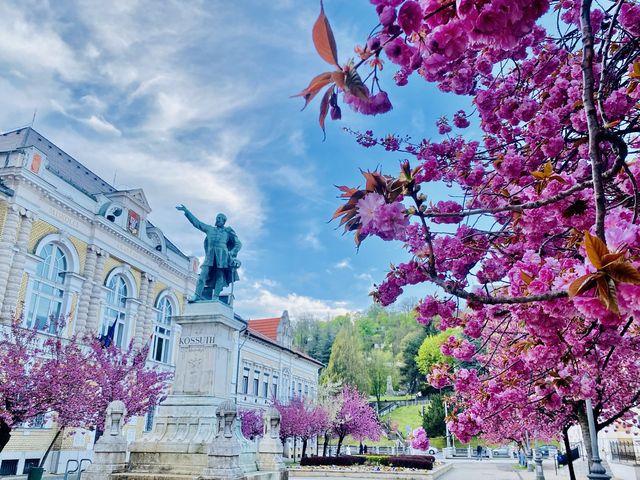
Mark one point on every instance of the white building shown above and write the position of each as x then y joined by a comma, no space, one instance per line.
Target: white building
73,245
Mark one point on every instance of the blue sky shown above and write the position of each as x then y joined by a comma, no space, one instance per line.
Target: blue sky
189,100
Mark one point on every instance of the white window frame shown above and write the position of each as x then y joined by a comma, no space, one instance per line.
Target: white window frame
118,277
53,265
166,307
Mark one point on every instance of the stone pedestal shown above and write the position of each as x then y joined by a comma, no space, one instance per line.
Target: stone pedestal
110,451
270,447
186,431
224,451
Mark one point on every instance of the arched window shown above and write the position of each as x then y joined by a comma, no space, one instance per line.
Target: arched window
115,312
47,292
162,336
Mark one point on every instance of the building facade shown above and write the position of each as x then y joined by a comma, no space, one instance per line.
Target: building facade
73,245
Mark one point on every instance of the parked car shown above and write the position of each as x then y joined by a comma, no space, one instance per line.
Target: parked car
432,450
548,450
502,451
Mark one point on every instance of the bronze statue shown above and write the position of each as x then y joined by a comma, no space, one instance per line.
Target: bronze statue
220,266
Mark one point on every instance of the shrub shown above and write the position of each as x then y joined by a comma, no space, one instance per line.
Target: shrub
422,462
342,461
413,461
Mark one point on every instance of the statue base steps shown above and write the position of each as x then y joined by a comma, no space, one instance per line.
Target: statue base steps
284,475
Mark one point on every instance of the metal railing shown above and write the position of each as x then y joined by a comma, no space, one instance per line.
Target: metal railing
625,451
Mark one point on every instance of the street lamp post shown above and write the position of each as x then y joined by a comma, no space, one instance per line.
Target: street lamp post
529,453
597,471
446,427
538,462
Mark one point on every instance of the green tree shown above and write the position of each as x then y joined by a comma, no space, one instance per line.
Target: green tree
346,363
433,420
315,337
379,366
409,347
429,353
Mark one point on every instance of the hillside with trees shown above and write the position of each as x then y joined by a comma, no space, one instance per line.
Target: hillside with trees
381,342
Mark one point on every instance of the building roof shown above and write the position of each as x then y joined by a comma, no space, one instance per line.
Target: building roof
266,326
266,329
64,166
60,163
295,351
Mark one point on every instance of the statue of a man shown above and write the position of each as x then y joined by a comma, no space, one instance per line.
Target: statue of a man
221,246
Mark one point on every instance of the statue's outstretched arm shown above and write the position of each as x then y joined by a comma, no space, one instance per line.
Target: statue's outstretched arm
192,218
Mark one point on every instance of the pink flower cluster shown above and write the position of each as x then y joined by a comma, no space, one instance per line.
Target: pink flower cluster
372,105
419,439
386,220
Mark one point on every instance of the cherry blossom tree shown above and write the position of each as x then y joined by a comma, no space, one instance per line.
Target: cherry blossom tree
40,375
355,417
252,423
123,374
300,419
73,381
535,254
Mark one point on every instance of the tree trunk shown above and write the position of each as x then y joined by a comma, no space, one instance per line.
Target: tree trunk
567,447
46,454
295,444
586,435
326,443
5,434
340,439
304,448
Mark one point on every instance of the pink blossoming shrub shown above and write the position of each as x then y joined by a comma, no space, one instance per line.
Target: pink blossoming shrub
419,439
252,423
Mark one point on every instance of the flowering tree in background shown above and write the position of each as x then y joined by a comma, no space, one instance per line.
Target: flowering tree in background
299,419
71,380
38,376
124,375
419,439
355,417
329,399
535,254
252,423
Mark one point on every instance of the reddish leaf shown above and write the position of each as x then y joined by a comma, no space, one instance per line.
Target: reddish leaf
324,108
323,39
340,79
354,85
317,83
595,248
610,258
526,278
607,294
581,285
623,272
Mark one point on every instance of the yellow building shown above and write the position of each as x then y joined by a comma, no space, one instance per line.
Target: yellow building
73,245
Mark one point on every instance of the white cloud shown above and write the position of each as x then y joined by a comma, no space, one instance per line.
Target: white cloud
256,300
344,263
311,239
35,48
101,125
296,142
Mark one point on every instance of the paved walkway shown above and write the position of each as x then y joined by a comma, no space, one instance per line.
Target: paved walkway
504,470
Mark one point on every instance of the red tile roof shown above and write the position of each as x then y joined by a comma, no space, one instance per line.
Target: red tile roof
266,326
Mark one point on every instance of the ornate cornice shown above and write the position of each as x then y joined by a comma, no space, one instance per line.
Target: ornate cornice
40,185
